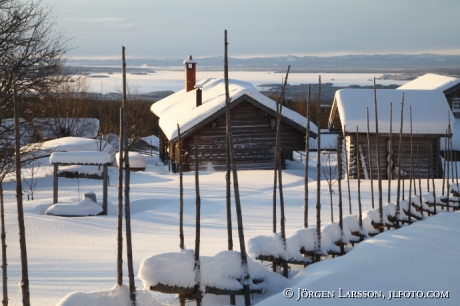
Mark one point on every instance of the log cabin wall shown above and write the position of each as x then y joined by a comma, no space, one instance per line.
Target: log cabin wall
422,141
253,136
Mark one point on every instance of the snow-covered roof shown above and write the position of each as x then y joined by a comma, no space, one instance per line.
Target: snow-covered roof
75,144
180,108
152,140
136,160
81,158
430,110
431,81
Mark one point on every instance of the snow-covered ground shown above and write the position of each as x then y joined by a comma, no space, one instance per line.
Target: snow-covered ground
79,254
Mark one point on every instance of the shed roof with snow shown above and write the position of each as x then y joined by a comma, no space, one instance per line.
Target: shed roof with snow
80,158
180,108
430,111
434,82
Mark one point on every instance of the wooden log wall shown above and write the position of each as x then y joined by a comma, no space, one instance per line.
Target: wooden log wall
421,141
254,141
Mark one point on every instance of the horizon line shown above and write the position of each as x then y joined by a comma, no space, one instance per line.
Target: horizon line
241,56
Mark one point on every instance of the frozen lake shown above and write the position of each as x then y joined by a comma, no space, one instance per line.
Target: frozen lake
174,80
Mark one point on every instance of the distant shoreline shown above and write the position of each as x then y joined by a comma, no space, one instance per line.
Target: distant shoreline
389,74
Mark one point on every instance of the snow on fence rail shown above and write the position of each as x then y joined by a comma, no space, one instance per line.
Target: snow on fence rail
220,274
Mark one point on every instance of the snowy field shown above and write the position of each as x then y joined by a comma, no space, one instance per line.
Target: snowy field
79,254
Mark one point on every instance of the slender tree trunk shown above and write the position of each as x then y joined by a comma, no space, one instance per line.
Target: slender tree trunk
4,261
24,285
370,158
246,278
120,178
444,167
280,169
197,231
447,178
451,157
419,181
307,159
400,171
404,176
181,193
348,172
432,179
390,154
339,181
275,183
129,246
456,168
120,204
379,176
359,180
318,176
228,195
330,195
229,203
428,176
411,166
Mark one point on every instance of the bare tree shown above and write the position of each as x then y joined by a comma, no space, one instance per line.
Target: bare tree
31,182
31,59
330,174
31,52
246,278
24,284
64,111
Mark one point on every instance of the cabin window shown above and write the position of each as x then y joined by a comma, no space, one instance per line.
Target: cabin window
456,107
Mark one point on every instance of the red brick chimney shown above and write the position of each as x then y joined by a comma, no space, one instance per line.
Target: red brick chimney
190,74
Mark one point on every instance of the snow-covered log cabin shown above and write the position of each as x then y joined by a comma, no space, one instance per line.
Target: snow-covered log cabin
430,117
451,88
448,85
199,110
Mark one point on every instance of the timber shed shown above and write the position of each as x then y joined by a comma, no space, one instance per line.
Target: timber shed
448,85
430,116
200,113
451,88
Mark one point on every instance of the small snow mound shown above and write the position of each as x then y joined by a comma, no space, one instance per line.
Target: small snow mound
86,207
117,296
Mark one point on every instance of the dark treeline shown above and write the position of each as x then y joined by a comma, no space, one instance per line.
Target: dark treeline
299,104
141,121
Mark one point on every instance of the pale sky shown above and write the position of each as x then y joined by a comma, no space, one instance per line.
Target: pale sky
173,28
